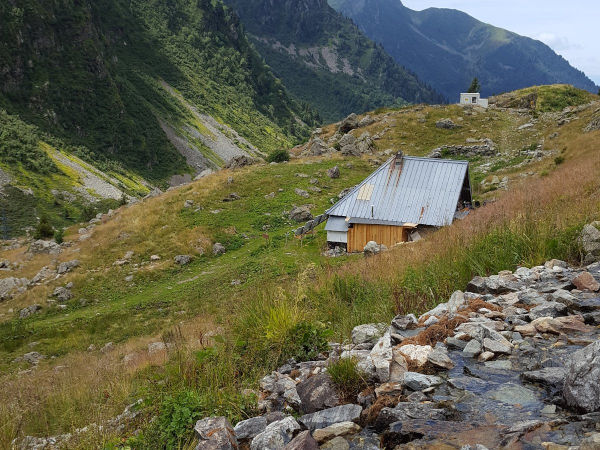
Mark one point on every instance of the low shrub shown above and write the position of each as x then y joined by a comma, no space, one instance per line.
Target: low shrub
278,156
44,229
348,378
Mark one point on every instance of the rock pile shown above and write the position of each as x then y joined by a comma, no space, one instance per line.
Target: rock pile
486,148
512,362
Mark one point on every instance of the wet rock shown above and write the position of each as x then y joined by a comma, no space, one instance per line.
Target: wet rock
215,433
406,411
67,266
472,349
439,358
304,441
552,377
301,214
496,347
327,417
250,428
183,260
582,390
586,282
276,435
419,382
316,393
367,333
453,342
338,429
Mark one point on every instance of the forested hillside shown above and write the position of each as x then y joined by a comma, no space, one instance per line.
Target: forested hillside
447,48
89,71
323,58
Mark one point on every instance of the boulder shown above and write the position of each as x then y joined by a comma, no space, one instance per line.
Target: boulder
586,282
218,249
366,121
301,193
11,284
472,349
316,147
304,441
41,246
548,309
334,172
300,214
67,266
447,124
496,346
276,435
381,355
62,293
373,248
348,124
29,311
348,145
439,358
335,430
327,417
183,260
581,389
250,428
416,353
419,382
316,393
553,377
215,433
239,161
590,240
398,366
367,333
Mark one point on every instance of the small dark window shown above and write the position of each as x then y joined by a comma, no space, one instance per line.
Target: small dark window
474,100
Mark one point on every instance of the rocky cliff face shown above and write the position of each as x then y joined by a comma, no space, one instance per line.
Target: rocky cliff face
447,48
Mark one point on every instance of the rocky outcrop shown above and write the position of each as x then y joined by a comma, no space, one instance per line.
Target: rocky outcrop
447,124
486,148
215,433
300,214
590,241
494,357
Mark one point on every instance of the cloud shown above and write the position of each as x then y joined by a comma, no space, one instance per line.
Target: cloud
558,43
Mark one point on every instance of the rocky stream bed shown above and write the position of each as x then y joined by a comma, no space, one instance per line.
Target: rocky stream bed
512,362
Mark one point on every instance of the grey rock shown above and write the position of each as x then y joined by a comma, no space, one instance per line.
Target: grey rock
550,376
301,214
67,266
455,343
41,246
215,433
218,249
29,311
373,248
301,193
439,358
367,333
496,346
327,417
183,260
590,240
338,443
304,441
250,428
472,349
349,123
334,172
316,393
62,293
11,284
188,203
240,161
276,435
419,382
381,355
447,124
582,390
406,411
548,309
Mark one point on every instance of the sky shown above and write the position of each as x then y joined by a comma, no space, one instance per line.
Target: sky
570,28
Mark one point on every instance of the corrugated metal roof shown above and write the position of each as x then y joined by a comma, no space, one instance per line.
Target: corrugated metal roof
408,190
336,224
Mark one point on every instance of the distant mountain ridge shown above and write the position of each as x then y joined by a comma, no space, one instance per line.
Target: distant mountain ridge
447,48
325,60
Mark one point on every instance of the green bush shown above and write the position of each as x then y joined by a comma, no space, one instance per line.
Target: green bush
559,160
278,156
347,377
44,229
306,340
178,413
59,235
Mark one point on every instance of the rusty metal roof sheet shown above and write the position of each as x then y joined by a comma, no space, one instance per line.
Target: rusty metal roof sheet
407,190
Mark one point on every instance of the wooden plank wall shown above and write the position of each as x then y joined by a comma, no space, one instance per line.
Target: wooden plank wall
389,235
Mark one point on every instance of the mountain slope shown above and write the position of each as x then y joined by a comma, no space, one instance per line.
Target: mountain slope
324,60
447,48
89,72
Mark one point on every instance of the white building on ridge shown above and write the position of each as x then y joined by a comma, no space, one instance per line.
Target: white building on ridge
473,98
